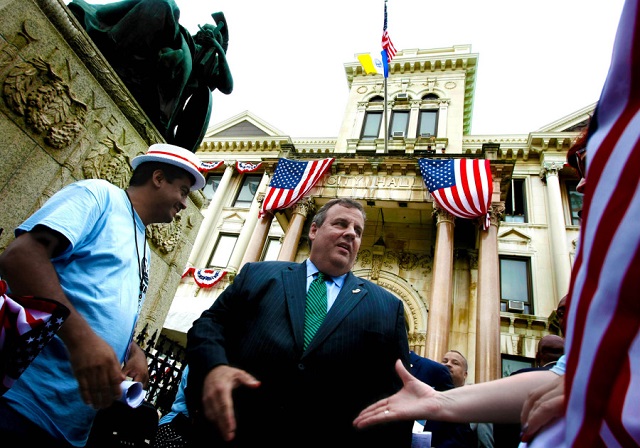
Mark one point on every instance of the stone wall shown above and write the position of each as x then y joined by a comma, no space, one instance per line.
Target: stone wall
64,116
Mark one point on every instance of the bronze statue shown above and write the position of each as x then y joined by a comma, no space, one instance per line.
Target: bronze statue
170,73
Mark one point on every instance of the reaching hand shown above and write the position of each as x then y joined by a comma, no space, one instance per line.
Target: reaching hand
542,405
414,401
136,366
217,401
97,370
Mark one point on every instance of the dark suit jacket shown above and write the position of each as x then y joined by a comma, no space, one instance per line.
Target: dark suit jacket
306,397
443,434
431,372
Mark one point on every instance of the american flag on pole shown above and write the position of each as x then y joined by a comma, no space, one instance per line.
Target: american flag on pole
387,45
463,187
27,324
291,181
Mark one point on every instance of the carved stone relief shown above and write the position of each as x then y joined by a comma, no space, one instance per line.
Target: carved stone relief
166,236
108,162
34,91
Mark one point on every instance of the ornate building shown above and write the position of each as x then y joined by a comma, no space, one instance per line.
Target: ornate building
491,294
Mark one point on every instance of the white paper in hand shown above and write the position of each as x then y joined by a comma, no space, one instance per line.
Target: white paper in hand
132,393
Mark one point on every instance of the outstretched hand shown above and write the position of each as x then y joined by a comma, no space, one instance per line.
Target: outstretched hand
414,401
217,401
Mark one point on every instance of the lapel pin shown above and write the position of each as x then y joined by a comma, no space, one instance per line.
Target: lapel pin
356,291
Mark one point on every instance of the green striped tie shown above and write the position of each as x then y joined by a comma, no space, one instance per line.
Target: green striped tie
316,309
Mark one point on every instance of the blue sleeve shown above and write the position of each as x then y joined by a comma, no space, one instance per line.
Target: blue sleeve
561,366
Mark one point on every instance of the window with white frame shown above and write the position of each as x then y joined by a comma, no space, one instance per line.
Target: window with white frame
516,203
515,284
427,122
272,249
213,181
223,250
372,122
399,123
248,190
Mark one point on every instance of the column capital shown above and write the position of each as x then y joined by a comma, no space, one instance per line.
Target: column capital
442,215
550,169
304,207
495,213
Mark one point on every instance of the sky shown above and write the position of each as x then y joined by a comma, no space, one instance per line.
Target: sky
538,61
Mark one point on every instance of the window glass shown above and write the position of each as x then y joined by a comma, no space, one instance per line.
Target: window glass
427,123
213,181
399,122
248,191
372,121
515,205
515,285
511,364
272,250
223,250
575,202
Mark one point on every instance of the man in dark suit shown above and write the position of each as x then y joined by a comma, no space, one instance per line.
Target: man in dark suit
252,382
431,372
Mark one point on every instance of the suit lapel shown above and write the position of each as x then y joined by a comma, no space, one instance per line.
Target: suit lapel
295,285
351,294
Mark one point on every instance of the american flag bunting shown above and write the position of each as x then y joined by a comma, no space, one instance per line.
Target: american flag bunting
291,181
463,187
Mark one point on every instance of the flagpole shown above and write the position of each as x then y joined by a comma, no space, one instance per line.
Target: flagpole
386,121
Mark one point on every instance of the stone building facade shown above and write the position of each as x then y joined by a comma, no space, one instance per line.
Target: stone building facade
491,294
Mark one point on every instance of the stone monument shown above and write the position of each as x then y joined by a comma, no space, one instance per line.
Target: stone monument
66,115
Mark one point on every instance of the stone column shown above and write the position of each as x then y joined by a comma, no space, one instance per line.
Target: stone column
200,253
258,238
443,115
488,316
249,226
560,259
473,314
294,232
440,304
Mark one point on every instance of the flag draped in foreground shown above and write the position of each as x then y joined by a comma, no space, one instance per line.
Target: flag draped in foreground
602,381
463,187
27,324
387,45
291,181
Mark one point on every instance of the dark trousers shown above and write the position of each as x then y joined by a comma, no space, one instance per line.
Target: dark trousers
16,431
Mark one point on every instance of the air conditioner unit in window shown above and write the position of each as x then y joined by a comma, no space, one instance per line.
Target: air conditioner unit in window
402,97
515,305
398,134
425,134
